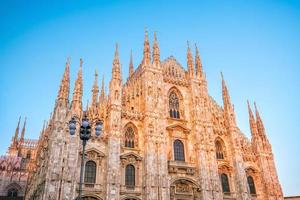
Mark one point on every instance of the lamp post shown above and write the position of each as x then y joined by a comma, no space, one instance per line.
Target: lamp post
85,134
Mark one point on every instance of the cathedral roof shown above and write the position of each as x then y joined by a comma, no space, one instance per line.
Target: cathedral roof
173,71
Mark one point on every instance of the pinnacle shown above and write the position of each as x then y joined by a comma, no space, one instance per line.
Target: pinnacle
198,62
131,69
63,93
250,110
77,93
156,55
190,60
23,129
17,129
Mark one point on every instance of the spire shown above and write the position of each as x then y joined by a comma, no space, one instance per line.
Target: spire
156,55
199,71
190,63
17,131
77,94
260,125
116,70
147,58
225,94
44,126
42,131
228,107
23,130
102,94
95,90
131,69
64,88
252,122
115,84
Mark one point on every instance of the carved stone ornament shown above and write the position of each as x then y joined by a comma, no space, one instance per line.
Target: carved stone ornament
183,187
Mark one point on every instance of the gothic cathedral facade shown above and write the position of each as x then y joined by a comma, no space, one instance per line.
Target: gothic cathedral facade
164,138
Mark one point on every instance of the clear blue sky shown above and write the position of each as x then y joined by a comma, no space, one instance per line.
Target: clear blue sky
256,44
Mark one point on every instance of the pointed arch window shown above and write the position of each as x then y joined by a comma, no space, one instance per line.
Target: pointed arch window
219,150
28,155
129,137
174,105
178,150
12,192
90,172
130,176
225,183
251,185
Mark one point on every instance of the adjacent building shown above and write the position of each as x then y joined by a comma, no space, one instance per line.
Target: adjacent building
16,165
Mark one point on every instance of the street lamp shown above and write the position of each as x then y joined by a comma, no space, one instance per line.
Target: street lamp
85,134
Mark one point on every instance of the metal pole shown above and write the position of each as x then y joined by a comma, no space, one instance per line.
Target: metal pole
81,168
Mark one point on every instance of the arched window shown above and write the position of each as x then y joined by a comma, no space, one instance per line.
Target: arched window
130,176
225,183
251,185
178,150
219,150
129,137
89,198
174,105
28,155
90,172
12,192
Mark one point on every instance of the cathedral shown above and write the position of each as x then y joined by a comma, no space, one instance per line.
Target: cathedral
163,138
